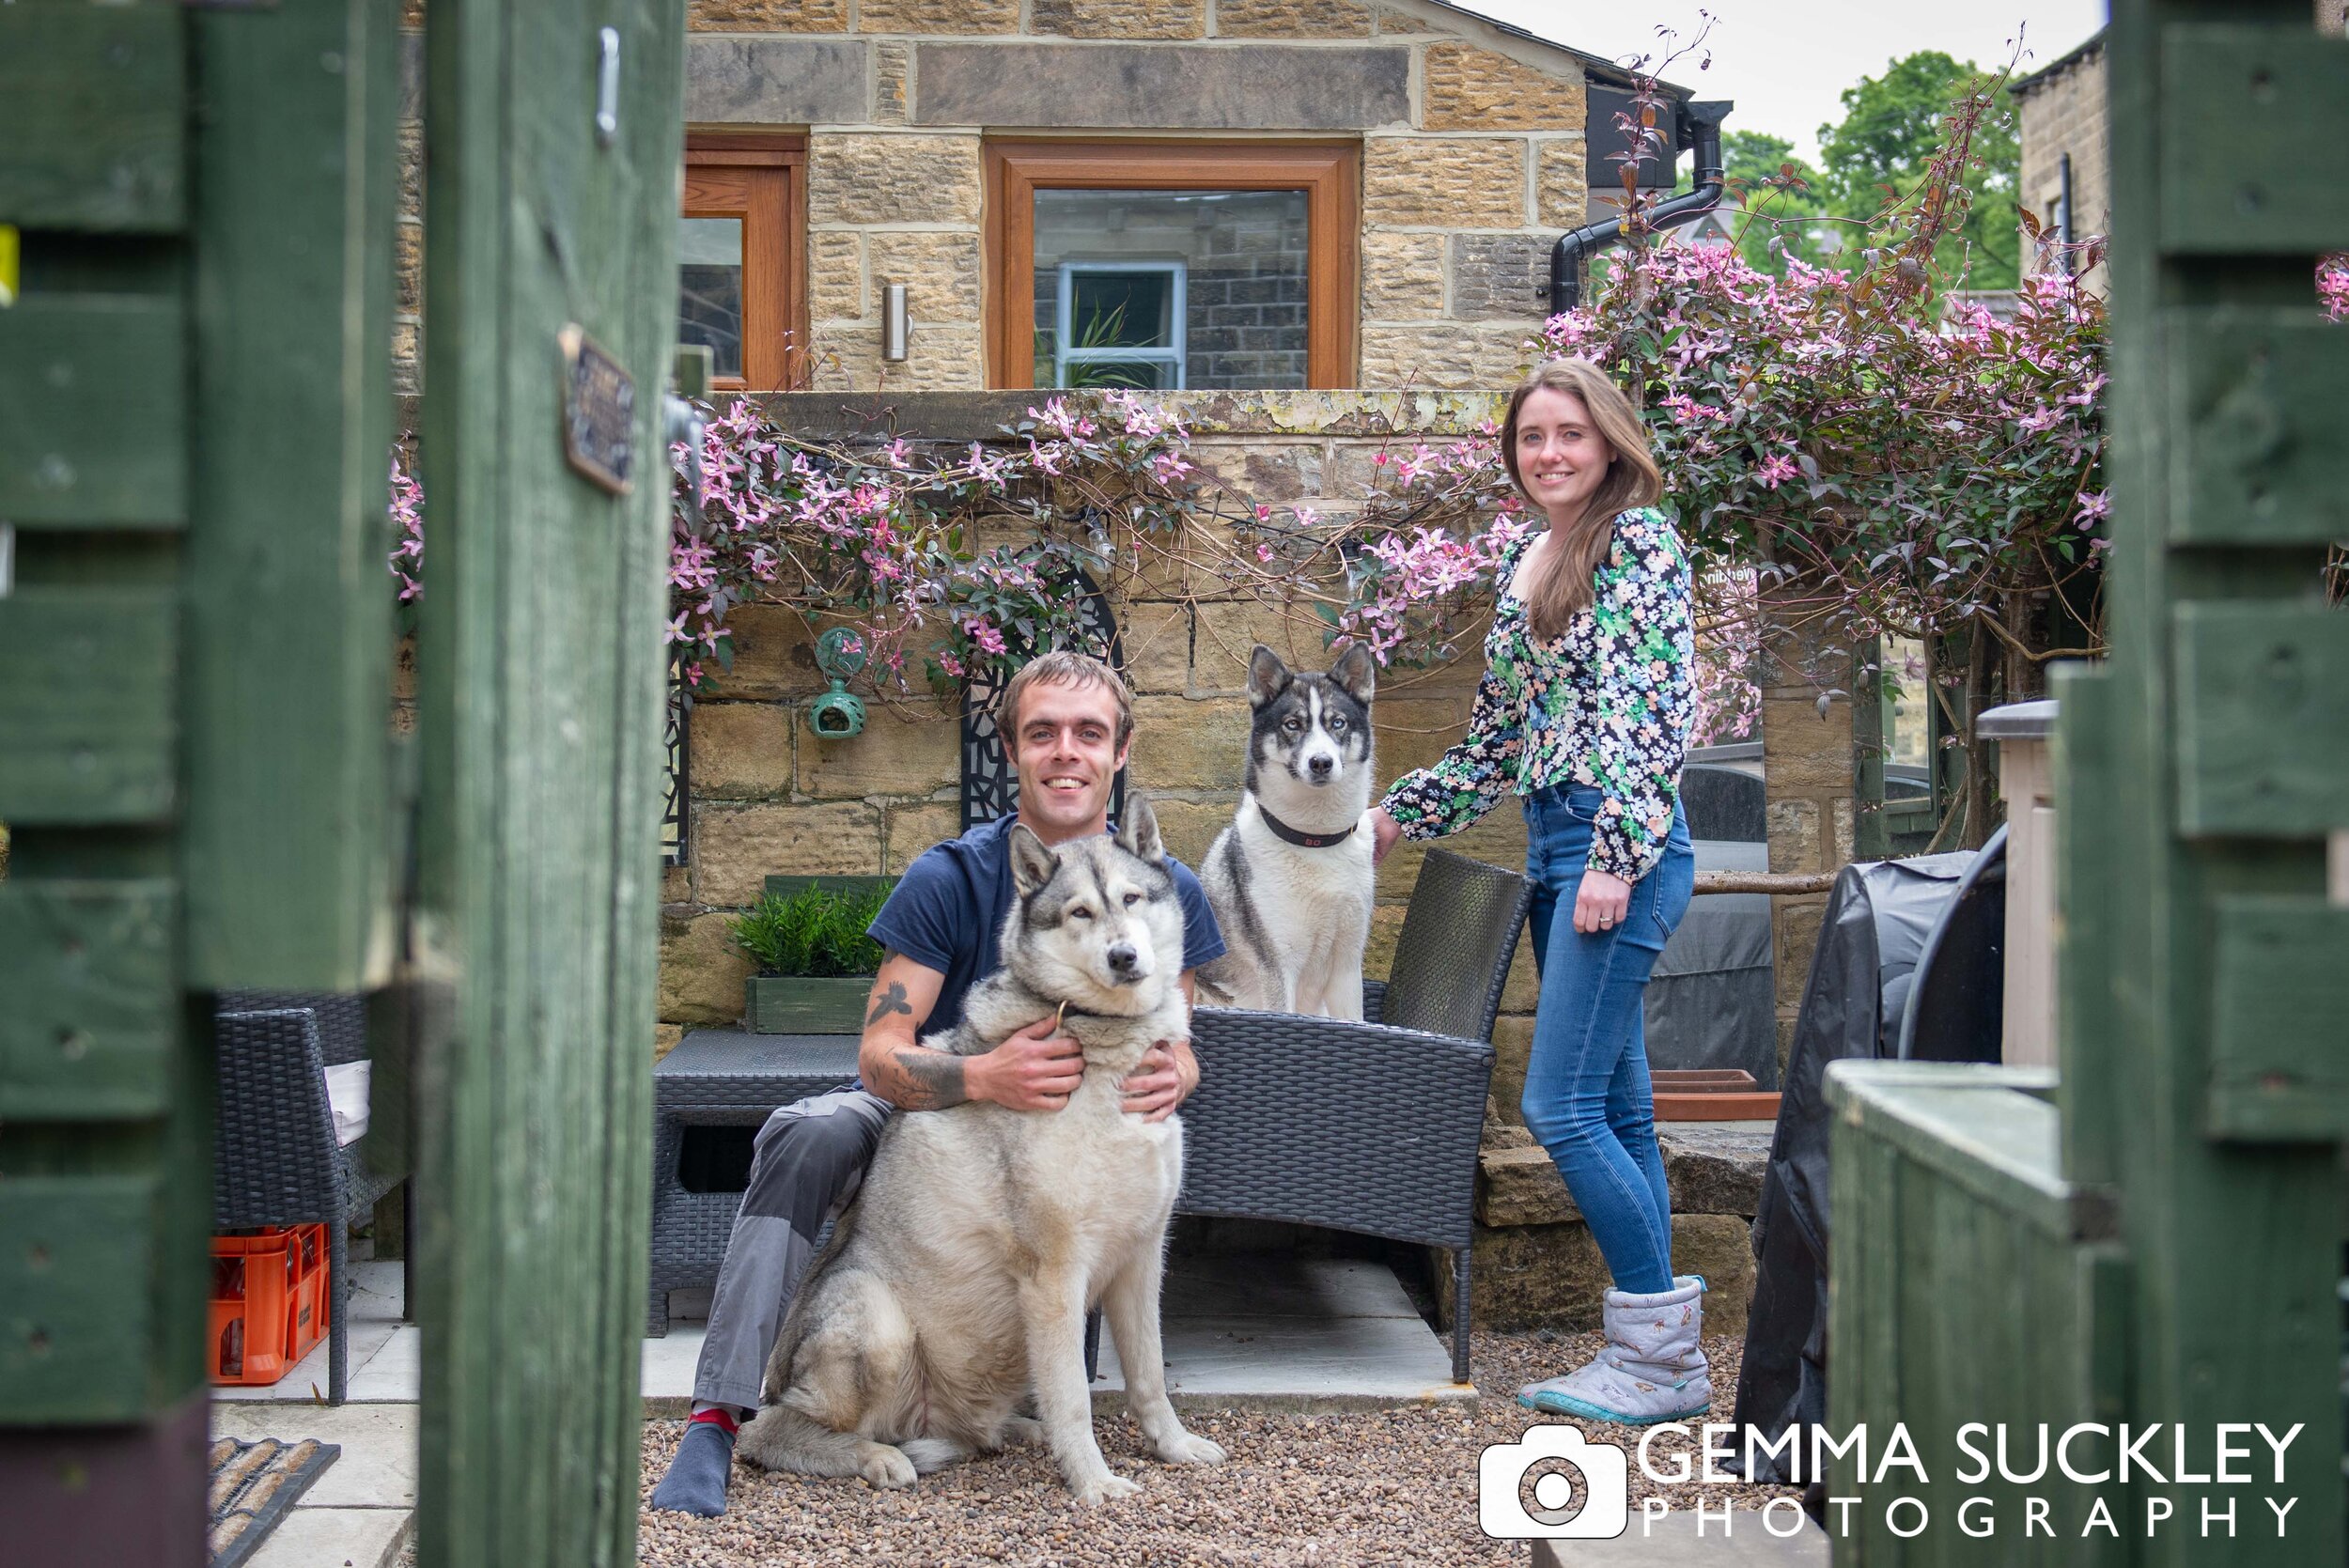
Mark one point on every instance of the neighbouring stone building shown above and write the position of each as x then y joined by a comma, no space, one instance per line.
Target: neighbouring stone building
2062,119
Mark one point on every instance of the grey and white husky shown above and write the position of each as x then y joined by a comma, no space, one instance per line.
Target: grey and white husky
1291,880
962,1275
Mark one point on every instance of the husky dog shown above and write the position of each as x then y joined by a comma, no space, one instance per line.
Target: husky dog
1290,881
961,1275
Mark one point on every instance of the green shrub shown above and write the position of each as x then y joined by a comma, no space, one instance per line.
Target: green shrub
813,932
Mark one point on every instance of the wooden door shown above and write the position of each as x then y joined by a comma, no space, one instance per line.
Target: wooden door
540,708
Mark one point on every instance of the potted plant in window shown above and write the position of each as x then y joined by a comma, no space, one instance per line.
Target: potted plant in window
815,964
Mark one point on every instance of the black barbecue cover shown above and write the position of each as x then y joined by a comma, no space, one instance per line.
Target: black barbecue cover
1878,920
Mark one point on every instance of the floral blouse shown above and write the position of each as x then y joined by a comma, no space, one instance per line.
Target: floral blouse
1609,703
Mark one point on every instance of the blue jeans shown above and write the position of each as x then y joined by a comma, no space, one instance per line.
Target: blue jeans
1587,1097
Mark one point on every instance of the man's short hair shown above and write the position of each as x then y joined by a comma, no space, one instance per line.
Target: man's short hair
1062,667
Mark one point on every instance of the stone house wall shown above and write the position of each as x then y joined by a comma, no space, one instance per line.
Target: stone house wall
1473,155
2061,110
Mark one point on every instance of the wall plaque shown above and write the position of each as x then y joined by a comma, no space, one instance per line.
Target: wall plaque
598,413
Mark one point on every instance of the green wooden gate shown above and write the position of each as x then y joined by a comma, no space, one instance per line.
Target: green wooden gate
2157,1237
194,690
541,707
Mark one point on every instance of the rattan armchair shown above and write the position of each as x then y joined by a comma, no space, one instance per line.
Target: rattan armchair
276,1161
1371,1127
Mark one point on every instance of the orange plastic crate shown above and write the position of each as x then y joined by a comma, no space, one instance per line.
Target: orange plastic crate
268,1304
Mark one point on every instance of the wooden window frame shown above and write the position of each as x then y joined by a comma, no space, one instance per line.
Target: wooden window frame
1329,172
762,180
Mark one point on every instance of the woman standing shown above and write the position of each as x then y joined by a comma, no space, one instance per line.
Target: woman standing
1585,710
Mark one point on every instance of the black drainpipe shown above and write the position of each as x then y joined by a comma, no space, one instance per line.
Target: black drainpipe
2064,221
1701,124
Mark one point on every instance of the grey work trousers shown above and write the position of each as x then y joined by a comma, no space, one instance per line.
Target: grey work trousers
808,1160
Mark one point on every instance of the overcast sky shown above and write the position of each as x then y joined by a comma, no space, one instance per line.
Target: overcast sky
1787,62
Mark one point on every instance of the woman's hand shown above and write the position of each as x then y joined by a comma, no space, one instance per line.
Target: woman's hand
1384,831
1602,903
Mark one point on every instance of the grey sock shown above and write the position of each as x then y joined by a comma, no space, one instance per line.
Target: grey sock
696,1482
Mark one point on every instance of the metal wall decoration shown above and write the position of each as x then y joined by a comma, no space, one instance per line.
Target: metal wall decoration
990,789
673,792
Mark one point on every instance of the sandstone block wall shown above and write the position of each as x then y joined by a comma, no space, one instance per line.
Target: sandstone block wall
769,796
1807,761
408,259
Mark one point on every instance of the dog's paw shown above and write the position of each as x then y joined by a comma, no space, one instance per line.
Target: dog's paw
1185,1447
1021,1432
887,1467
1106,1488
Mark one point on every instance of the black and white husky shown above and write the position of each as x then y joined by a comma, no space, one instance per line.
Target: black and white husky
1291,880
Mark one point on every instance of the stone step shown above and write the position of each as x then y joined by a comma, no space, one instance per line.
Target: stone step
1711,1167
1536,1266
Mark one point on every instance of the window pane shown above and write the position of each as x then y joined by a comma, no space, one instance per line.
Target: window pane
1218,277
1136,373
1122,310
709,288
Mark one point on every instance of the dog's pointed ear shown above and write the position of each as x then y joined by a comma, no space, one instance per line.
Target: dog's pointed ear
1139,833
1033,860
1356,672
1268,677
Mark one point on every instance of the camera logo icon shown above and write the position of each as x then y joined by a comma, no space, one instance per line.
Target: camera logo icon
1545,1462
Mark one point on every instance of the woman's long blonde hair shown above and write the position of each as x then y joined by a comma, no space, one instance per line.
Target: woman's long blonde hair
1568,578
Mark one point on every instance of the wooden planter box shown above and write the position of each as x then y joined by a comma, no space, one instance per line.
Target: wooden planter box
798,1004
1717,1095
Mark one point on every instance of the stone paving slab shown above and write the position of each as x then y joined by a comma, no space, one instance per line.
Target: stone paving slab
378,1465
336,1538
374,1325
360,1510
1675,1542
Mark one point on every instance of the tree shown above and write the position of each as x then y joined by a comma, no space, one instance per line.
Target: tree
1875,162
1779,195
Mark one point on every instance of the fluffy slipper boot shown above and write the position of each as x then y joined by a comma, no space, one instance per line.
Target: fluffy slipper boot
1653,1369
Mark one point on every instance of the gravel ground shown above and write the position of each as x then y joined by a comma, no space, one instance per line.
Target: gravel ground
1330,1491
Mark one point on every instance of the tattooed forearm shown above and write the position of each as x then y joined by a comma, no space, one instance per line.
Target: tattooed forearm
887,999
927,1080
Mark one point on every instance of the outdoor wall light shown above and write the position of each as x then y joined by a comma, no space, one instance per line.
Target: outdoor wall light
895,329
838,714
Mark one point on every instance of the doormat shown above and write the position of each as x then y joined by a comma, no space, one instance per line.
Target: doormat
253,1485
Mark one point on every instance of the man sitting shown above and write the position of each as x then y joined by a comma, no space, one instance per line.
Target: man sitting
1066,721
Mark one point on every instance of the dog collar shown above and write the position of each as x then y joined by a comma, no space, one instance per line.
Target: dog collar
1299,836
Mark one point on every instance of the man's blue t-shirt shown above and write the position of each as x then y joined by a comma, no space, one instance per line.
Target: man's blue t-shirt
947,913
